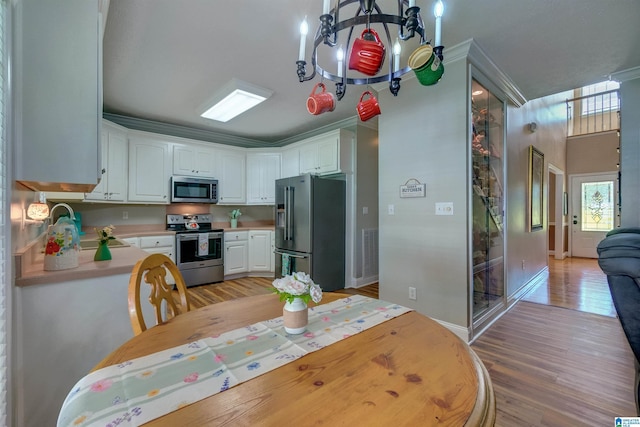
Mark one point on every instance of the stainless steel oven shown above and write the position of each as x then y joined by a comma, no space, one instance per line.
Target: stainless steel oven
199,249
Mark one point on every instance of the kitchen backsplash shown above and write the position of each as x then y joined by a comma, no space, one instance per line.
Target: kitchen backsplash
96,215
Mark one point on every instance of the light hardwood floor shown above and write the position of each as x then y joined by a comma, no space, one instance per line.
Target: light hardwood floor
557,358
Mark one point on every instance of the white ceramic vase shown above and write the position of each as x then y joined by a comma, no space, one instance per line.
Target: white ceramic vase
295,316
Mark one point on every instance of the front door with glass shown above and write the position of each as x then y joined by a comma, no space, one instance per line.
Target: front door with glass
594,212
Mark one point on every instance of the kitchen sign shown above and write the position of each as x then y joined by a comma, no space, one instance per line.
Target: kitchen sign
412,190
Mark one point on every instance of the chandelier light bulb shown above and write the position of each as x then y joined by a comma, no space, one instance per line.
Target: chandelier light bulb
396,55
438,9
304,29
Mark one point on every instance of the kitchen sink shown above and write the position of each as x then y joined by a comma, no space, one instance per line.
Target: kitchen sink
93,244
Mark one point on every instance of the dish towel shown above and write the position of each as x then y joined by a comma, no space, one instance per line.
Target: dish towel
286,264
203,244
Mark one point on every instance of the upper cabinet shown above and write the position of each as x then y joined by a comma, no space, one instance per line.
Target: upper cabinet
149,170
57,126
263,169
230,172
327,154
193,160
113,185
290,162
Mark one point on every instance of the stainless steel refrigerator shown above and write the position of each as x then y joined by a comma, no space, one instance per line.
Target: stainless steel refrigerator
310,229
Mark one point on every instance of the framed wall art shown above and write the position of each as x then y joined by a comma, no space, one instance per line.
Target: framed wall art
536,179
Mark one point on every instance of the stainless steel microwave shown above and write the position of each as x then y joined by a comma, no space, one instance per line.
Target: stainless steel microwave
186,189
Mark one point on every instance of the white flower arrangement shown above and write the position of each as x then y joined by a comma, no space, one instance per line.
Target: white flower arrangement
105,234
297,285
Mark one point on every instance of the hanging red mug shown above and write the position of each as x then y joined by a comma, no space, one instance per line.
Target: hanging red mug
367,53
368,108
320,102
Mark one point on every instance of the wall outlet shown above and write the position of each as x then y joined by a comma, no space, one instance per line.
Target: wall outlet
365,210
125,215
412,293
523,264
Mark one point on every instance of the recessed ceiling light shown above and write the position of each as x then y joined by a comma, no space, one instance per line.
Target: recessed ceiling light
477,92
233,99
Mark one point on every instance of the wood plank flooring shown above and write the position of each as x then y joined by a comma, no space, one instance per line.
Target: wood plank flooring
557,358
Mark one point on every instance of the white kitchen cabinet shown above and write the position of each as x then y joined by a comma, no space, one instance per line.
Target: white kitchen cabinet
133,241
57,84
328,153
290,162
260,252
193,160
236,252
113,185
230,172
162,244
263,169
149,170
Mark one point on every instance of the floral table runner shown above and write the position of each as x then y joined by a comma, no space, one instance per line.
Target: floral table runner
140,390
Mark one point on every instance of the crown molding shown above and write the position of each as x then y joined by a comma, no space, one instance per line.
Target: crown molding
187,132
481,61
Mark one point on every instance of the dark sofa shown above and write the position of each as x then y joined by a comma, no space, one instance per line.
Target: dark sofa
619,259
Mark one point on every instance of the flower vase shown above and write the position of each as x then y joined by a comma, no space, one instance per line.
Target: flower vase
234,223
295,316
102,253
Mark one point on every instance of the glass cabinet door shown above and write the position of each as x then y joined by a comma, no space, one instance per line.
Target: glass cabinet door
487,149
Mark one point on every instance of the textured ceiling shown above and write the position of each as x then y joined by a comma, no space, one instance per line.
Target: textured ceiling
163,59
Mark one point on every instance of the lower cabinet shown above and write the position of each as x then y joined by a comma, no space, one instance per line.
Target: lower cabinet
236,252
249,252
160,245
260,254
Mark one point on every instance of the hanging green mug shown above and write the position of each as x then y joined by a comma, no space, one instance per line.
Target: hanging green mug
427,66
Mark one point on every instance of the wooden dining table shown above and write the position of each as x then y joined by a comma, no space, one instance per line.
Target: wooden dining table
409,370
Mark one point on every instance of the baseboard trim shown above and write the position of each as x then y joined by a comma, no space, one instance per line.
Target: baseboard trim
462,332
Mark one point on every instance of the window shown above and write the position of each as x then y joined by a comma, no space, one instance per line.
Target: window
597,206
599,99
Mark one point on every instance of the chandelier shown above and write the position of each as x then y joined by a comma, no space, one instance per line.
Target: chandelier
365,52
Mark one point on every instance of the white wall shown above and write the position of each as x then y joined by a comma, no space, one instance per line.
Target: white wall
550,138
423,135
630,152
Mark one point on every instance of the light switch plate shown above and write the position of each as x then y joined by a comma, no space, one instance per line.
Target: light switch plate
391,209
444,208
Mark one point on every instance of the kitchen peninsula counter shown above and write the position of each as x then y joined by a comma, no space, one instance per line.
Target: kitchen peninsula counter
29,261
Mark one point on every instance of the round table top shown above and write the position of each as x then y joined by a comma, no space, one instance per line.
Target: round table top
409,370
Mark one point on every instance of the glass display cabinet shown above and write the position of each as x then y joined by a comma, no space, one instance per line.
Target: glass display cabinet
487,149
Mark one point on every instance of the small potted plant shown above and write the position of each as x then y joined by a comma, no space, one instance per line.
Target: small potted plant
235,214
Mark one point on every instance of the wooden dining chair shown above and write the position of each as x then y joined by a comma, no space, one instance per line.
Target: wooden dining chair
153,269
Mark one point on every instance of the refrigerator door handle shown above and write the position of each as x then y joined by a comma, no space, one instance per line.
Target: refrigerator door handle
291,255
288,212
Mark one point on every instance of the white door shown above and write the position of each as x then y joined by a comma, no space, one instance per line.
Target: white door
593,213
